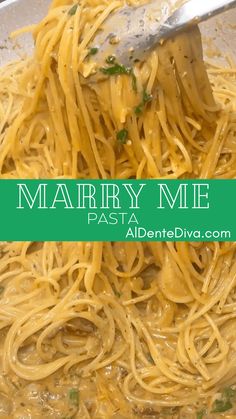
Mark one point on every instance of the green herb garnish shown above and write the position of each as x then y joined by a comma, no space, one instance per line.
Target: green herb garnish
225,403
134,80
122,136
116,69
139,109
73,10
201,413
93,51
74,396
145,99
221,406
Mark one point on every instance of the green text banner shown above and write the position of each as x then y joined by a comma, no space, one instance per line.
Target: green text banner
98,210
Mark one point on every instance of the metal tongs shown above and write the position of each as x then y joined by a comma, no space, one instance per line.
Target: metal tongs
130,33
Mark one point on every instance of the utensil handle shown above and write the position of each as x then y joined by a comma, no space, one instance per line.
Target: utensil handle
194,12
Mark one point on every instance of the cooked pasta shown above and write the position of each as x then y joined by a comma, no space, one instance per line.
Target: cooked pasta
116,330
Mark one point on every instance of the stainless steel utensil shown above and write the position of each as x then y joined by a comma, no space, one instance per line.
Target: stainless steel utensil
130,33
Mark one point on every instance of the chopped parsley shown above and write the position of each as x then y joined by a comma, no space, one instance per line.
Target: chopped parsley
225,403
93,51
145,99
73,395
118,69
201,413
73,10
139,109
134,80
122,136
222,406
